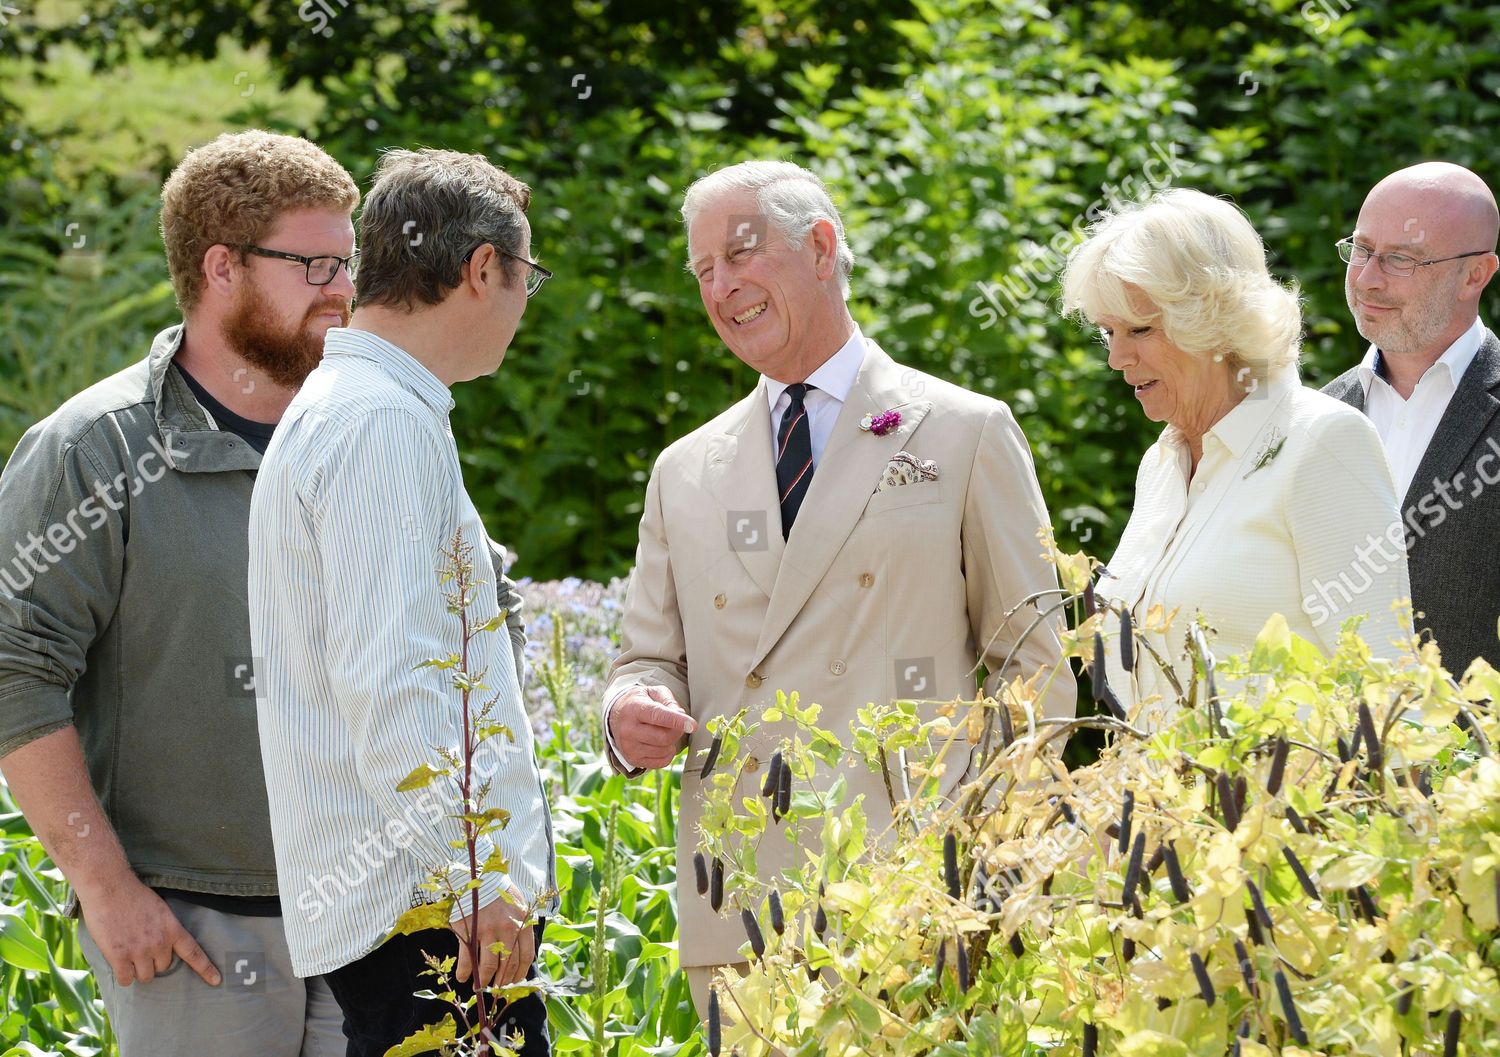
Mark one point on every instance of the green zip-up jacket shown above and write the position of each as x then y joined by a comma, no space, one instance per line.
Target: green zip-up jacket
124,522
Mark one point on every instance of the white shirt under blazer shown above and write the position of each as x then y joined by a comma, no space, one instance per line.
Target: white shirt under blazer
1310,530
1407,427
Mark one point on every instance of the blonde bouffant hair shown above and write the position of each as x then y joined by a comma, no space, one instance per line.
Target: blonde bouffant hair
1193,265
231,191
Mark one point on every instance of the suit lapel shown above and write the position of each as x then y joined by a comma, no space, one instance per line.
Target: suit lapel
1349,389
1462,425
742,477
842,484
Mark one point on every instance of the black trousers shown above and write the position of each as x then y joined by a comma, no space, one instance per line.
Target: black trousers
377,995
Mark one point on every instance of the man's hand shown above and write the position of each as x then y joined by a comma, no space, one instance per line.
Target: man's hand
138,934
504,922
648,725
135,929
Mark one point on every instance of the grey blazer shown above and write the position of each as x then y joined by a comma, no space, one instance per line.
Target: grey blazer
1452,514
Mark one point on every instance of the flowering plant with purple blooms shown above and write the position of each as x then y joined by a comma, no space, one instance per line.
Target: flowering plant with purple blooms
572,635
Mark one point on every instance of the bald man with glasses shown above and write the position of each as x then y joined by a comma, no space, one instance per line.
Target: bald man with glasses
1421,255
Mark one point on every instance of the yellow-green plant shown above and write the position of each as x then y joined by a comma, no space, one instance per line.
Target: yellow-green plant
1310,865
476,1030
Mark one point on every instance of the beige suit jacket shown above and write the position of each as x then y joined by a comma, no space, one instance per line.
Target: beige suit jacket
876,596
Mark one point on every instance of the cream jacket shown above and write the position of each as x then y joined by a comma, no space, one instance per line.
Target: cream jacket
1292,510
899,593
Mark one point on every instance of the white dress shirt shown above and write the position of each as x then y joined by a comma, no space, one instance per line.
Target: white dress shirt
1313,534
358,493
1406,427
831,384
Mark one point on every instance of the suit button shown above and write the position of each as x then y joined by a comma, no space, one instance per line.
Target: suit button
753,680
719,601
838,668
751,765
866,580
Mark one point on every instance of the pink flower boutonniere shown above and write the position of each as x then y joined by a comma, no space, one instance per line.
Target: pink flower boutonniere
882,423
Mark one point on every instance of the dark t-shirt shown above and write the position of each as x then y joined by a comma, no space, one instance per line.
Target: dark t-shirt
255,434
244,906
258,436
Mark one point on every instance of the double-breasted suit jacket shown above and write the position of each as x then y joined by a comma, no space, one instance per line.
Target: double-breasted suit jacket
1452,514
876,595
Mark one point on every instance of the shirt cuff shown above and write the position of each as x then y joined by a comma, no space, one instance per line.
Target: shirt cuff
609,736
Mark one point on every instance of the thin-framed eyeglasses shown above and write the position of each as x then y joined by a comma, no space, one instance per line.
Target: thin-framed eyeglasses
536,275
1393,263
320,270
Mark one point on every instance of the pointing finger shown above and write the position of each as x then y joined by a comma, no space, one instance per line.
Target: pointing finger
673,719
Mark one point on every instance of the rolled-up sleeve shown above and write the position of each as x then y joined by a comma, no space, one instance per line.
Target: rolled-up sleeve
512,603
61,559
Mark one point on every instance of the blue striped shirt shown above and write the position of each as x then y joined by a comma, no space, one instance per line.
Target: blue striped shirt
357,496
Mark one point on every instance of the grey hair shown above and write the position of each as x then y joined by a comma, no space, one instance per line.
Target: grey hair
791,197
426,211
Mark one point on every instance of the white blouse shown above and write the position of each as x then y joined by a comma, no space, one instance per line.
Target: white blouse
1292,510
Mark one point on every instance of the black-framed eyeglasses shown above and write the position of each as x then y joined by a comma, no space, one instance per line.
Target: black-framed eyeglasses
320,270
536,275
1393,263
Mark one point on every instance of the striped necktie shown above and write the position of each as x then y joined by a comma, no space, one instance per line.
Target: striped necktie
794,458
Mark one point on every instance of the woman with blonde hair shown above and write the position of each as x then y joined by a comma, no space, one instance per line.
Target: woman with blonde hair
1261,495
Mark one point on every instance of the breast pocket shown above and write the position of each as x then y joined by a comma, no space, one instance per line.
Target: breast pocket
916,494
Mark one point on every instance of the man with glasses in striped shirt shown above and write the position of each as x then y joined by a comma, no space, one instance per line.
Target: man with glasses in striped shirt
359,494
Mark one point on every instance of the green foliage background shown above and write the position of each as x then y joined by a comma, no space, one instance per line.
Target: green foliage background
961,136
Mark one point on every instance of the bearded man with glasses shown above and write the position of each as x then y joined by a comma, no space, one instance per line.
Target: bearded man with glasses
127,677
1421,255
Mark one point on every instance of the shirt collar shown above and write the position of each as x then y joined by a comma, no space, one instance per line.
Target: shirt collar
836,375
1245,421
347,341
1456,358
176,407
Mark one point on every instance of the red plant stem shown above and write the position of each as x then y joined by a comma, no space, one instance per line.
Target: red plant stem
468,809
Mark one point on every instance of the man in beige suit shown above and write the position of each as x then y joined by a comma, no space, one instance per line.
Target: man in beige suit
853,529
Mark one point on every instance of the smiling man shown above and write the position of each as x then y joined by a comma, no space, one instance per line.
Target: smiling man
852,529
127,690
1422,253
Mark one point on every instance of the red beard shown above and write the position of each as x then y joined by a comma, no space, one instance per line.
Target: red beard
285,355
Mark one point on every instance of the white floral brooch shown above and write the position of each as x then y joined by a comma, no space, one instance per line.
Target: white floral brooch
1268,451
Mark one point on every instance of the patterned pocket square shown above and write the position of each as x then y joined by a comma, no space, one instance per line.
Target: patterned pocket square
906,468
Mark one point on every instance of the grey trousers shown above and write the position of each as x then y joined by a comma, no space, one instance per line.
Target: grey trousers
259,1010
